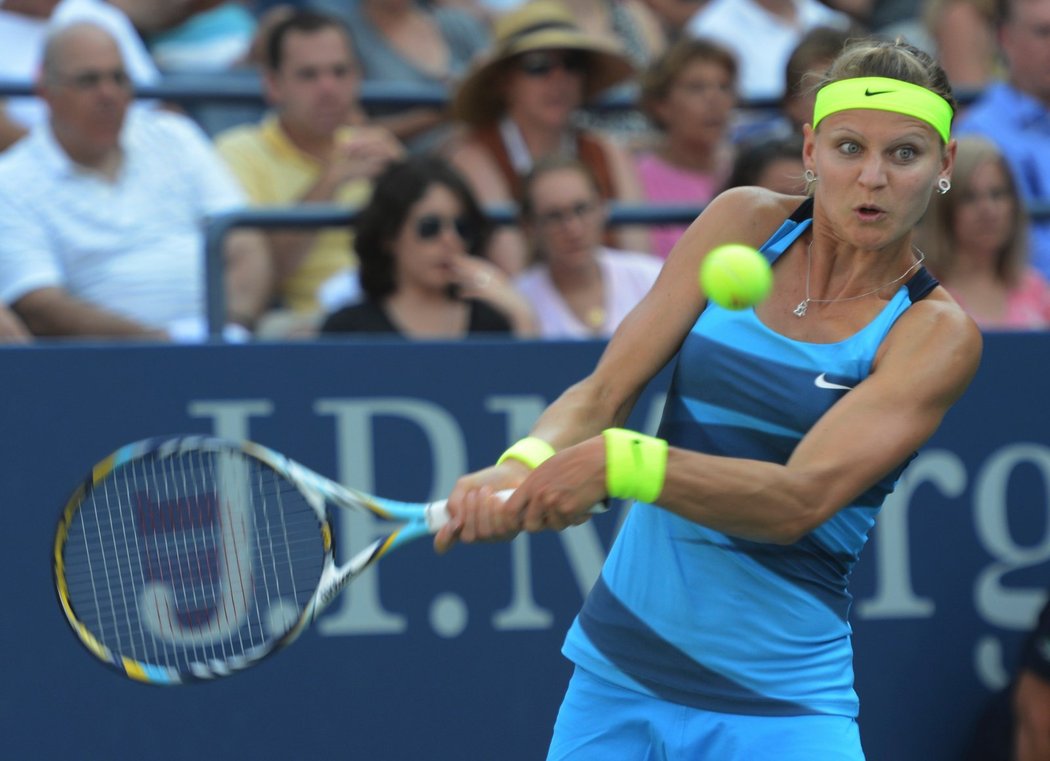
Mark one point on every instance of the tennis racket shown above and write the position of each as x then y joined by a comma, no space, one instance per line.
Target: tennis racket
191,558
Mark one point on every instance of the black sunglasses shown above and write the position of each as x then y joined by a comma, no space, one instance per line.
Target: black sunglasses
432,225
540,63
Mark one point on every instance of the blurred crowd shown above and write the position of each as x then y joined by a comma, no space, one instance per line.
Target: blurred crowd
552,109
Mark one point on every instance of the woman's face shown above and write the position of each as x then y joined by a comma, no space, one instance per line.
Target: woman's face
876,171
431,241
700,103
984,211
567,217
545,87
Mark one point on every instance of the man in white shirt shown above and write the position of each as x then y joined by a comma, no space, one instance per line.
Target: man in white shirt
762,34
24,25
102,209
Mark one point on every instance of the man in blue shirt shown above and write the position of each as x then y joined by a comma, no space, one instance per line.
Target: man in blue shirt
1016,113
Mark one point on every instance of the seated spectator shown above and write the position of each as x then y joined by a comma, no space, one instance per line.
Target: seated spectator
194,35
578,288
24,25
519,103
689,94
774,163
308,150
964,41
1015,113
762,36
420,241
1031,696
1015,724
976,242
403,42
102,208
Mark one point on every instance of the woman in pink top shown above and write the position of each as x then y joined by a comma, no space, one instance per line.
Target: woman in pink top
975,240
578,288
689,94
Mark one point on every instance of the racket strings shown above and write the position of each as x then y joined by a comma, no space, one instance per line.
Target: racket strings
192,560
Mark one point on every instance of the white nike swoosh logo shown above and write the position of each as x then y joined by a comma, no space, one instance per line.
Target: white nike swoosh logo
822,382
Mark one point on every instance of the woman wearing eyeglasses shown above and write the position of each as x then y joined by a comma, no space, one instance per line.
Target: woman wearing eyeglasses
578,288
519,104
418,242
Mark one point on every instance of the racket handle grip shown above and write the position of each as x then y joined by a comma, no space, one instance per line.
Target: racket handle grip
437,512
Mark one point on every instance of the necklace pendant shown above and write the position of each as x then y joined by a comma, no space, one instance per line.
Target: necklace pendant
800,310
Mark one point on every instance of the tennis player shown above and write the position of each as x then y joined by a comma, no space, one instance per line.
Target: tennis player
719,626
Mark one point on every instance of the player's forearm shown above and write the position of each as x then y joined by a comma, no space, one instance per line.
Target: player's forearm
750,499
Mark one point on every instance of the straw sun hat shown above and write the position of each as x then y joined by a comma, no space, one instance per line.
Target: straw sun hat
536,25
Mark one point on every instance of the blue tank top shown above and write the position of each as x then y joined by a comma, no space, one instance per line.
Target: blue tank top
704,619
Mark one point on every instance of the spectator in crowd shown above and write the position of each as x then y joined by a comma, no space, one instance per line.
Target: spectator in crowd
1031,696
774,163
1015,724
807,63
24,25
762,34
519,103
689,94
809,60
578,288
975,238
421,240
1016,113
402,42
963,37
309,150
102,209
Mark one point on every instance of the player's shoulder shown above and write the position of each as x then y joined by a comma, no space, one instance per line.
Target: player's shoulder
757,207
937,325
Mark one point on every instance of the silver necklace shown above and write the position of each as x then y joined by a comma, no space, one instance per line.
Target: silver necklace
800,310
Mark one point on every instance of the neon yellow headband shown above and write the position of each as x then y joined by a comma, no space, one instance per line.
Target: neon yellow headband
884,94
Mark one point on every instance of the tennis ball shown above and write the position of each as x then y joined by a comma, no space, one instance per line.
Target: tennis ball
735,276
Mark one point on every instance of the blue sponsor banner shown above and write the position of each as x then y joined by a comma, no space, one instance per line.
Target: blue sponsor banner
457,657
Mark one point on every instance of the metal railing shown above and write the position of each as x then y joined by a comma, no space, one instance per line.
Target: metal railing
327,215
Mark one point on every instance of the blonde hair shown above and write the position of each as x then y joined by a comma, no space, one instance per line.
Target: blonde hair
938,226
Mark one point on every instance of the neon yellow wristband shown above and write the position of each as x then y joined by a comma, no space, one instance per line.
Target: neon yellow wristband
530,451
635,465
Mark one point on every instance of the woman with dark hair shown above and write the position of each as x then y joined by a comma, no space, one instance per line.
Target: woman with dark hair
419,241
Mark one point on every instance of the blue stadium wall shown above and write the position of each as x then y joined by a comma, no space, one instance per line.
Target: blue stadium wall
457,657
